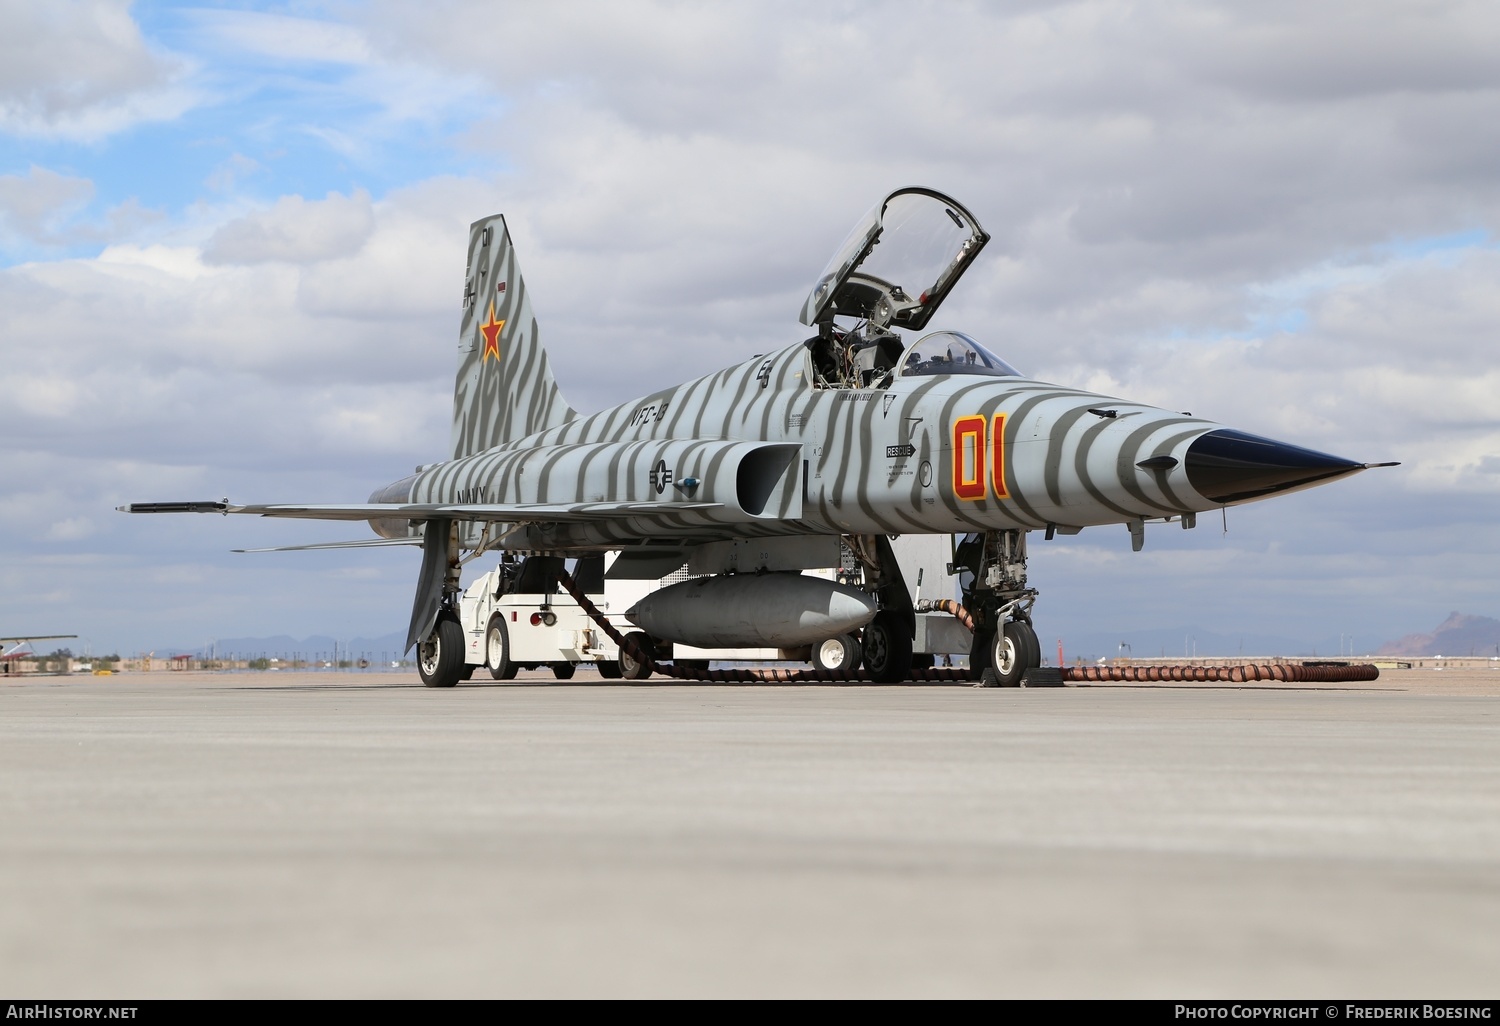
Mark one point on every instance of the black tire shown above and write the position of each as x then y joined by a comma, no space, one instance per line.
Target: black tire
1033,646
440,655
1010,654
630,669
563,671
887,646
839,654
608,669
497,649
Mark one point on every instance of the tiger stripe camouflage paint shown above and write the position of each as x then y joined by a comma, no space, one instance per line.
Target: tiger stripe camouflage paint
504,388
877,460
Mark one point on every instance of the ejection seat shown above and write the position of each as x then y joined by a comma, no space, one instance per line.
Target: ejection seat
875,360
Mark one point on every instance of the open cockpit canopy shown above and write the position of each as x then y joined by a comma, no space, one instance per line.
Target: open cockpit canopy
899,263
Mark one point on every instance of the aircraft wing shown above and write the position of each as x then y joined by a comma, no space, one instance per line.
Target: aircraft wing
35,637
510,513
360,543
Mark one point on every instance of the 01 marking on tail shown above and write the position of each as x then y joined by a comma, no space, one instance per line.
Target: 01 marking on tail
855,435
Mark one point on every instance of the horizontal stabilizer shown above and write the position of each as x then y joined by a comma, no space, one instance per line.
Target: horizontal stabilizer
363,543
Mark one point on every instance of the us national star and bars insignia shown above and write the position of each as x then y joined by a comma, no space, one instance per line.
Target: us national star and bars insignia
491,330
660,476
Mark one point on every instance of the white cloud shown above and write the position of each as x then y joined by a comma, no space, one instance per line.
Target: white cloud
1168,186
34,205
232,171
295,230
284,37
71,529
79,69
43,211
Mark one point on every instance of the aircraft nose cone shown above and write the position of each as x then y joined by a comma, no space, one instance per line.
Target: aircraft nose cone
1232,466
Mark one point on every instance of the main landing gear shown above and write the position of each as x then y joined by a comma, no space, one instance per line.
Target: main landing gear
440,655
996,596
886,646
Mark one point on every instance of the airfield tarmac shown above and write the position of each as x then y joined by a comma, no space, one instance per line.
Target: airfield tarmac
265,835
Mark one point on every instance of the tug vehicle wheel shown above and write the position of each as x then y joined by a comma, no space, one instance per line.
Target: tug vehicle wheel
497,649
630,669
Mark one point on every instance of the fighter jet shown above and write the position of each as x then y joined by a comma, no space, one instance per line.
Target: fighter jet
798,459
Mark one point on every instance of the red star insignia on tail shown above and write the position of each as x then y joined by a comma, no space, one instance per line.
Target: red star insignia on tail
491,330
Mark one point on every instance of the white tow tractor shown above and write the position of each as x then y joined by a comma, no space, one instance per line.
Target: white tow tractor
517,617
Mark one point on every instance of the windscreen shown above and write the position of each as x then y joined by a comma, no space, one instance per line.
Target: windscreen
953,352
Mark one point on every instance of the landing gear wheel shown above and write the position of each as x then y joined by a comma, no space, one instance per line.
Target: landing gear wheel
1033,647
1011,653
608,669
630,667
497,649
887,649
562,671
440,655
838,654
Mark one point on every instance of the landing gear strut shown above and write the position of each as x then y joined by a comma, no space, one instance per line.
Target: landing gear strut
887,638
996,595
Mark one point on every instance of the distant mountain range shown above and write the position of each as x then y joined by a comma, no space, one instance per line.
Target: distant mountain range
1459,635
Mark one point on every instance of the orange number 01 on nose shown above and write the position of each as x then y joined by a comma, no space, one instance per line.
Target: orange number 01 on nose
979,457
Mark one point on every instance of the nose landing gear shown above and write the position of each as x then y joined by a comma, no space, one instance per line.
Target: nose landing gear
996,595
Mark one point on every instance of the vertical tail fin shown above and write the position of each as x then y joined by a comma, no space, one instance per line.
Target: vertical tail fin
504,389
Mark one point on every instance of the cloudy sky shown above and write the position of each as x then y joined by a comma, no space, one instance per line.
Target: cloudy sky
232,244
